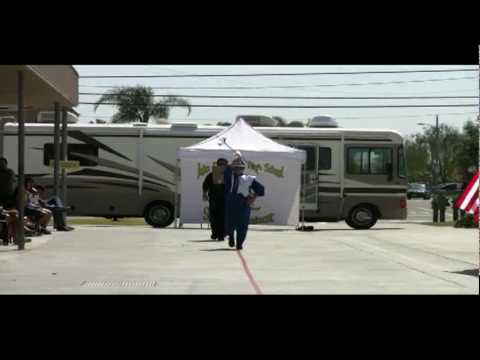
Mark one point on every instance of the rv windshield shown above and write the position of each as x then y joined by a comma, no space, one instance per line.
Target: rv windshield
402,169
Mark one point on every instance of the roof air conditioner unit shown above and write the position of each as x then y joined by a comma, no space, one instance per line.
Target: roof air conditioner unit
324,121
258,120
159,121
48,117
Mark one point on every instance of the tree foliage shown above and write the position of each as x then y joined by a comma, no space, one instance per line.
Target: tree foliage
138,104
458,151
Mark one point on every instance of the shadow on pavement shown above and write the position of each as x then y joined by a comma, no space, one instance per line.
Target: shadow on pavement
472,272
222,249
8,249
272,230
375,229
203,241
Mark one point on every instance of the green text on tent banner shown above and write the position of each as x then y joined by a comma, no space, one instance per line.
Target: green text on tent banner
202,170
266,167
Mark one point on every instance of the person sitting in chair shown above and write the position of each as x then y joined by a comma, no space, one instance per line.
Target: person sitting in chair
33,209
55,205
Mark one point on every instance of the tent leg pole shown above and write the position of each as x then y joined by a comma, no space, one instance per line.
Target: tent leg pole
176,196
304,190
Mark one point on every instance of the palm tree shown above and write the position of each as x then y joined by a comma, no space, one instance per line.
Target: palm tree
137,103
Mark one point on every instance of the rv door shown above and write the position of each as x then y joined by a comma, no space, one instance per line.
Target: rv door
309,192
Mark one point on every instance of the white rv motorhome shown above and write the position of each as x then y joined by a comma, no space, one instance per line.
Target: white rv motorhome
129,170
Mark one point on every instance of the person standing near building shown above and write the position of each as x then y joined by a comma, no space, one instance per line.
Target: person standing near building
214,191
241,191
7,185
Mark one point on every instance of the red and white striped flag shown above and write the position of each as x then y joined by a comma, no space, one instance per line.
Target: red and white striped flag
469,201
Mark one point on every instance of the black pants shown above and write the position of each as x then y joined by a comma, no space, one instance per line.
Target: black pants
58,212
217,217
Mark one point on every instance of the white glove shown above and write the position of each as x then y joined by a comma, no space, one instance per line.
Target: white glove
238,154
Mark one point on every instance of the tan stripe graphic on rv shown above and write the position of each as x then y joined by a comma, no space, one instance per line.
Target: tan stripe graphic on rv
117,166
172,168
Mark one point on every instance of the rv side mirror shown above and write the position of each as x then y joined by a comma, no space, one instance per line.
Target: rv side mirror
390,171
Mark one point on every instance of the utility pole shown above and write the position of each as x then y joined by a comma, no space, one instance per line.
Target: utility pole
437,151
64,155
56,151
21,162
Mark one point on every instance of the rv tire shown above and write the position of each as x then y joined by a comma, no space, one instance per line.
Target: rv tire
159,214
362,217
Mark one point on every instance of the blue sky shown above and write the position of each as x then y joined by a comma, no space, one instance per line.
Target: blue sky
403,120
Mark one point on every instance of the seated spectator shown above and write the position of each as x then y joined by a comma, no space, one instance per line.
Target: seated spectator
33,210
7,180
55,205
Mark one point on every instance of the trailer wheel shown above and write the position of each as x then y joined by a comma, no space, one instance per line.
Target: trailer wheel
362,217
159,214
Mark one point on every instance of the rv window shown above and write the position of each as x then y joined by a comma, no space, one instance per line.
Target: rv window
369,160
358,160
310,150
83,149
324,158
379,159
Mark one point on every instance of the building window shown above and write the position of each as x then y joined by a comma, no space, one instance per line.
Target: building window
324,158
366,161
73,149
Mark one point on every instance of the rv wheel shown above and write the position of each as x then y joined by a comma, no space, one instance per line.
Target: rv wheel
362,217
159,214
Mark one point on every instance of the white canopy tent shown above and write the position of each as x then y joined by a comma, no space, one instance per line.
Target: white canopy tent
277,167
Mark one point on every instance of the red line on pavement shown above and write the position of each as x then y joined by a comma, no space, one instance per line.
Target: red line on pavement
249,274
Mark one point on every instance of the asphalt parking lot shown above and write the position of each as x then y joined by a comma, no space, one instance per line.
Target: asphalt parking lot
391,258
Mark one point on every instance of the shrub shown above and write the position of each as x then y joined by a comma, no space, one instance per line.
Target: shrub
466,222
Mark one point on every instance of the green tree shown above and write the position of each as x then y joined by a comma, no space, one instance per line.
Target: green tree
467,154
417,159
457,151
449,140
138,104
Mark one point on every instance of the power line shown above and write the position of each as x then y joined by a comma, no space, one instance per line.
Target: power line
338,117
277,74
303,97
302,106
402,116
284,86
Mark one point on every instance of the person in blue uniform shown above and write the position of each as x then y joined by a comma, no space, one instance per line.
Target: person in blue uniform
241,191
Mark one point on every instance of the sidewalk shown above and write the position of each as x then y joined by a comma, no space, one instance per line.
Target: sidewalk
37,241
